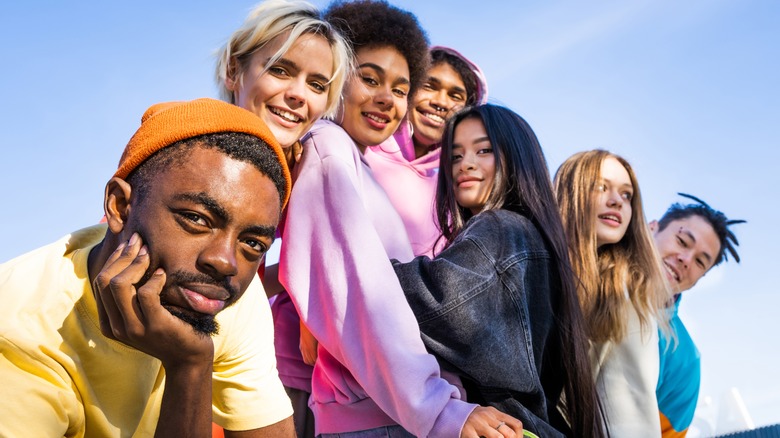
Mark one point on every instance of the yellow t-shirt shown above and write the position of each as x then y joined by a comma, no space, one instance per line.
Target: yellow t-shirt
59,376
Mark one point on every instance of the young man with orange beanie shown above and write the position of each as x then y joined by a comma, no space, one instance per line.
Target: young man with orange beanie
135,327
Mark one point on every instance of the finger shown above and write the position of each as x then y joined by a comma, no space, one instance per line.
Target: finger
507,431
123,285
149,306
110,317
119,297
119,260
514,424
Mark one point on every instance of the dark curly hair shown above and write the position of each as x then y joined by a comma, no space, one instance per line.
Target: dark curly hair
439,56
375,23
720,224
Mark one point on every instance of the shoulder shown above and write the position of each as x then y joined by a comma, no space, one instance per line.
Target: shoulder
508,224
505,232
328,139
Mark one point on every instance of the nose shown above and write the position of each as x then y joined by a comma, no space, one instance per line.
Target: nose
684,258
218,258
615,200
383,97
468,162
296,93
440,102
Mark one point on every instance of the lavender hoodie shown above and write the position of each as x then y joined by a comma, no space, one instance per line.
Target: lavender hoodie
340,233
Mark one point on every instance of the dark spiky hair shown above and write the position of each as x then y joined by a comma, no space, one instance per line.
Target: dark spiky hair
717,219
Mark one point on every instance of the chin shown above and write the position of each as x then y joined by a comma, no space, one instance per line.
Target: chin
206,325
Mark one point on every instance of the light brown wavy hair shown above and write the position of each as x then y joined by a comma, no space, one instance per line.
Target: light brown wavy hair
615,276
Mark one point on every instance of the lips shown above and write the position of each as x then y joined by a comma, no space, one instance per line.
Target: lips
467,180
672,272
285,115
435,119
376,120
205,299
613,219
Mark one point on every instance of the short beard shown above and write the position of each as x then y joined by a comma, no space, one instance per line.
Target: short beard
203,324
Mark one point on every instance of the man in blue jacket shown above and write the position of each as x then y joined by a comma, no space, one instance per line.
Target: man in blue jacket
691,239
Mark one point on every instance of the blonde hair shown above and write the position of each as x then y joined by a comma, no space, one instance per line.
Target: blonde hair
630,268
269,20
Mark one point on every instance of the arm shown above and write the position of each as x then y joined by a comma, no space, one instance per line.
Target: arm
132,313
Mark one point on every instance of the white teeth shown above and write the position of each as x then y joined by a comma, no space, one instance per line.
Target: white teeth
610,217
285,115
436,118
376,118
671,271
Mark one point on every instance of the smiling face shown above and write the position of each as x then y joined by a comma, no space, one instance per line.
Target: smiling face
375,99
442,93
612,202
688,248
208,224
292,93
473,164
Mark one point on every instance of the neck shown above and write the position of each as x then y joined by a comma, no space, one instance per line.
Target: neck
420,149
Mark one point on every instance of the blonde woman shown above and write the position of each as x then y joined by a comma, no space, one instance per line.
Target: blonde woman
622,287
285,64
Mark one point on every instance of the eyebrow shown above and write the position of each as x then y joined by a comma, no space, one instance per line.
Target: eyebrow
380,70
293,66
206,201
627,185
217,210
477,140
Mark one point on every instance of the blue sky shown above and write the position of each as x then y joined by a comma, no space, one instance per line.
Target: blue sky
686,91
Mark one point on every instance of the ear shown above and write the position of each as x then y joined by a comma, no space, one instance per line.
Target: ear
116,204
232,76
653,226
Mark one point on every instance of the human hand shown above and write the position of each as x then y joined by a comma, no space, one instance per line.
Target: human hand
489,422
293,154
308,346
130,310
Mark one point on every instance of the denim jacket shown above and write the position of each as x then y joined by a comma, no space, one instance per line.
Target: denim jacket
486,307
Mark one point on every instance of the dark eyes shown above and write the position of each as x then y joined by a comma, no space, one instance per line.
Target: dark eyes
194,218
399,92
370,81
278,71
256,245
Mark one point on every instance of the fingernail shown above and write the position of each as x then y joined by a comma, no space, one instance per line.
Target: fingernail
143,251
133,239
121,246
158,272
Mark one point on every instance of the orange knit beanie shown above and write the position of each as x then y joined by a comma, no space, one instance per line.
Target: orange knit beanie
164,124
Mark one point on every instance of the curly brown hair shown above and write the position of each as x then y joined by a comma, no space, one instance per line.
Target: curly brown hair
375,23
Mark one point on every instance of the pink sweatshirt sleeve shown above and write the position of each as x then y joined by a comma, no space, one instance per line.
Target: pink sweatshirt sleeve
335,264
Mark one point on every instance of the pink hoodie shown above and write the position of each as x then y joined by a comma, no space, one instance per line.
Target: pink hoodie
410,182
